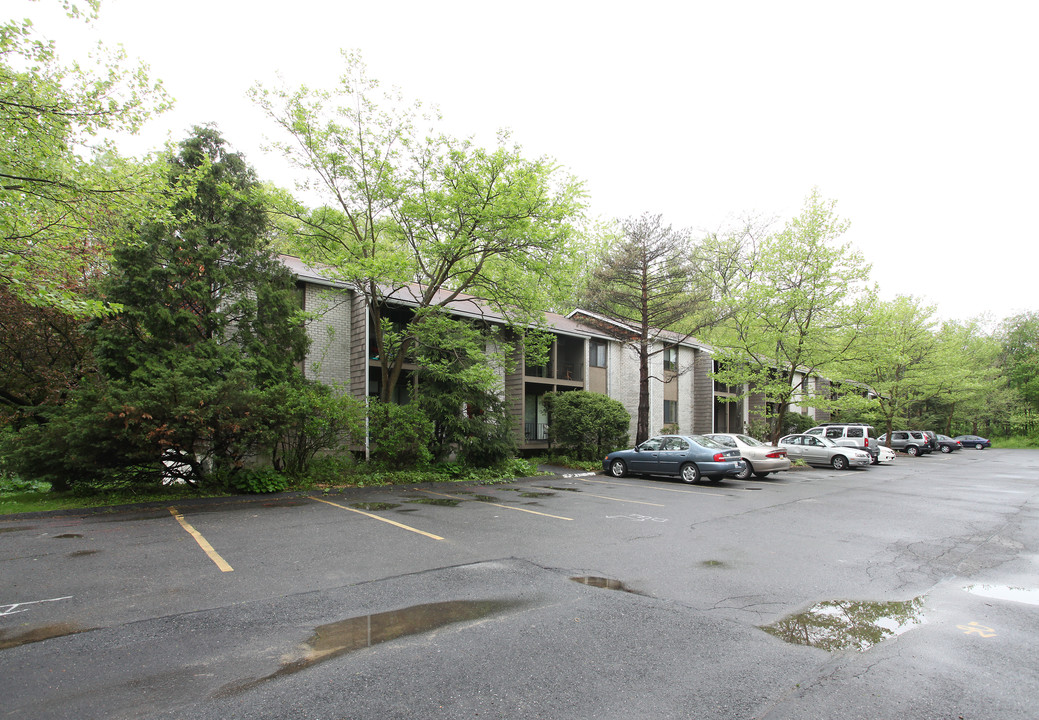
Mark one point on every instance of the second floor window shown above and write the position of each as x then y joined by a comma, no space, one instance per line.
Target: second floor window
597,354
671,359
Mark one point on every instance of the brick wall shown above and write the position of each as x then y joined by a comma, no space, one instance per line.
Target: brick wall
328,360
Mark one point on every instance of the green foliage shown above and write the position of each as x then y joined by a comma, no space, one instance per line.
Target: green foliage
407,204
797,423
259,481
460,389
587,425
794,299
400,435
190,371
315,419
1019,337
57,209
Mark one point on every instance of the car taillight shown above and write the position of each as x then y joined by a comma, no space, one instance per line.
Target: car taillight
777,454
867,442
720,457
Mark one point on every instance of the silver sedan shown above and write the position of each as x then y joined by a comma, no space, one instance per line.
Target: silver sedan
761,459
816,450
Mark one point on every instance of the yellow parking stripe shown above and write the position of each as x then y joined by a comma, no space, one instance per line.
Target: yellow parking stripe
376,517
507,507
202,542
653,487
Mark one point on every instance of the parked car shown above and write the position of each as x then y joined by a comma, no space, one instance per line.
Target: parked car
974,441
911,442
946,444
885,454
689,457
857,435
816,450
758,457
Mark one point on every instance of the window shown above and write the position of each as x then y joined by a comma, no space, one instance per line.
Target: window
597,354
675,443
834,432
671,359
670,412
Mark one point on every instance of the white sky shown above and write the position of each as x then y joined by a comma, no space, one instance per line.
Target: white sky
921,118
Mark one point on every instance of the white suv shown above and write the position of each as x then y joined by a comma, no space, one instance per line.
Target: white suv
857,435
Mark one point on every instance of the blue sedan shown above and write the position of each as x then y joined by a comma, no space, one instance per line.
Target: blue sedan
689,457
974,441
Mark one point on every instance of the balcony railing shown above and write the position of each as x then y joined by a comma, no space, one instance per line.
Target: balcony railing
535,431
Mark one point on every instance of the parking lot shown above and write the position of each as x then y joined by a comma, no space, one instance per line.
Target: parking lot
914,586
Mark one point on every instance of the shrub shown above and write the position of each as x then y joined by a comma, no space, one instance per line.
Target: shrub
316,420
400,435
259,480
586,424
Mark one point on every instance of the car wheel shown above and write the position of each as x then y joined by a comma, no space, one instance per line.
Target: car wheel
946,449
979,446
746,471
839,462
761,474
618,468
912,450
690,473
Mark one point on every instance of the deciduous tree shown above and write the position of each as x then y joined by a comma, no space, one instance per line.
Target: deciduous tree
795,300
62,189
418,213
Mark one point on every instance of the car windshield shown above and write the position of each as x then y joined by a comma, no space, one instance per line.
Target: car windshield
707,442
748,440
827,442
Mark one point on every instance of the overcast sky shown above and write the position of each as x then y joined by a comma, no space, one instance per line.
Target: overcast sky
921,119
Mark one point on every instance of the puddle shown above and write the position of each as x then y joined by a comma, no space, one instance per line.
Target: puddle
486,498
601,582
83,553
846,624
373,506
38,634
536,495
16,528
338,638
69,535
443,502
1005,592
564,489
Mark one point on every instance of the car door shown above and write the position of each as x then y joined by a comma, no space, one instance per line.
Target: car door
794,447
648,456
673,452
815,452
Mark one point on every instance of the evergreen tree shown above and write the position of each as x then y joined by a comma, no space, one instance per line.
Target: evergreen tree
210,322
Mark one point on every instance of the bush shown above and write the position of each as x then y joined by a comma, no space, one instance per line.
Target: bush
316,420
259,480
587,425
400,435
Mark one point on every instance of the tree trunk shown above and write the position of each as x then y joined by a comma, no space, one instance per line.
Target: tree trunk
642,419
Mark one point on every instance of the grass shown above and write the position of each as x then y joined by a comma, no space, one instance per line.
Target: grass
1017,442
19,496
41,499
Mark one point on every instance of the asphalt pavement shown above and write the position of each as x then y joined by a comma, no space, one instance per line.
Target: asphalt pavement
904,591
